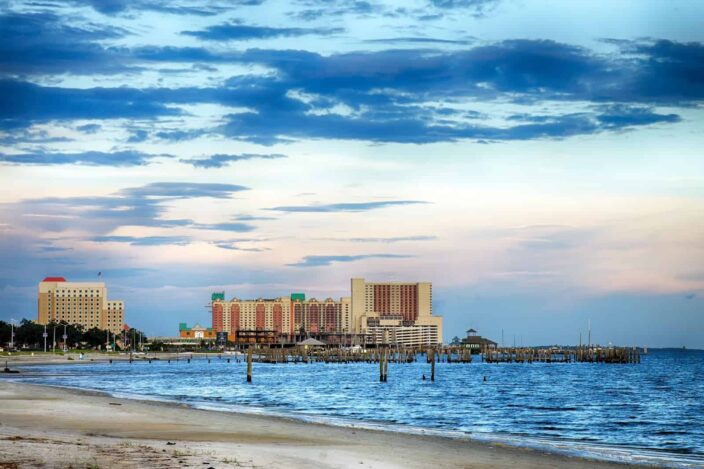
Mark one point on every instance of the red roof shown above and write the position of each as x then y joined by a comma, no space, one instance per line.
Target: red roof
54,279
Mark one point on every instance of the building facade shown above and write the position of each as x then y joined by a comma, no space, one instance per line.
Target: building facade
395,312
320,316
260,314
281,315
84,303
195,332
386,312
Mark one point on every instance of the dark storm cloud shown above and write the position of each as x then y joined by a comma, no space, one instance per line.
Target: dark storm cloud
319,261
345,207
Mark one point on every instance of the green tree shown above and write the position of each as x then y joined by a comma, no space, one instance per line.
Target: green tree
5,331
95,337
29,334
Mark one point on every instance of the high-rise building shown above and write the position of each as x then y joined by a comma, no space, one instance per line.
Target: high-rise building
320,316
260,314
281,315
395,312
386,312
84,303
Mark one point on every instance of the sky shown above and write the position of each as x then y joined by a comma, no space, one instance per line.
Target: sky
539,162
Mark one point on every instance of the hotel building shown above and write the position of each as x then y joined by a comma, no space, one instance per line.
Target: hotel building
395,312
389,312
84,303
284,315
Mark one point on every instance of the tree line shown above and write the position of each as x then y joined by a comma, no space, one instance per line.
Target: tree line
28,335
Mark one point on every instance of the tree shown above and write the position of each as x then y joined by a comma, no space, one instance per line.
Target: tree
29,334
5,331
95,337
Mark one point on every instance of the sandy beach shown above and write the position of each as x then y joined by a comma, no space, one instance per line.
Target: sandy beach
52,427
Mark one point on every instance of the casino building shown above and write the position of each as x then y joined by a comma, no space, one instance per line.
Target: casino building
381,312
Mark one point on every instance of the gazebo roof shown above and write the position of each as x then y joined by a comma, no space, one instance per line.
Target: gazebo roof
312,342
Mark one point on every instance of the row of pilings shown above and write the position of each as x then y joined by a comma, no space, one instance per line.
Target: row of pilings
581,354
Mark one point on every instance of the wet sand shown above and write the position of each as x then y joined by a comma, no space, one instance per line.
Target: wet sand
55,427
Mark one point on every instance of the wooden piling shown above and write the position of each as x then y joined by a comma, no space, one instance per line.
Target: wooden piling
432,365
249,365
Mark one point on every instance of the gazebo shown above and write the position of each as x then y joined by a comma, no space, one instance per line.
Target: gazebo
311,343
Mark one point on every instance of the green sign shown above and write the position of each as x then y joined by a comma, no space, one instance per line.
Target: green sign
218,296
298,297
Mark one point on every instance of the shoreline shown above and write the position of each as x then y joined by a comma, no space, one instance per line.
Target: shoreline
31,412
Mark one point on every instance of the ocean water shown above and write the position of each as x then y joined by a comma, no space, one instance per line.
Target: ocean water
650,413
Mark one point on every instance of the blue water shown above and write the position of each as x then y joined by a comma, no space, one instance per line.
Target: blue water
648,413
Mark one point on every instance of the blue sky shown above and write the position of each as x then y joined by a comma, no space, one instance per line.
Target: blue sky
539,162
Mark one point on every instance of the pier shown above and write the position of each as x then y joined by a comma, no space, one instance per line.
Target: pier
583,354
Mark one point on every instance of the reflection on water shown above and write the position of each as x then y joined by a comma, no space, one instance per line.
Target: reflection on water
652,412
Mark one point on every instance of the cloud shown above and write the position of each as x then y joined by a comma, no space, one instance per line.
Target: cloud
42,43
138,136
316,9
479,8
88,158
393,95
241,32
119,7
345,207
144,241
252,218
621,116
180,135
23,104
185,190
319,261
221,160
135,206
89,128
231,226
417,40
230,246
392,239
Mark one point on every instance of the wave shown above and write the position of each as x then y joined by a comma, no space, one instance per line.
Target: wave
673,458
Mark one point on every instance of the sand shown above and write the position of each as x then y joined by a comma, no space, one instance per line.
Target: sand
52,427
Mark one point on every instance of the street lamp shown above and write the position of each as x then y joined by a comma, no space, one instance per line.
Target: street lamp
12,334
65,336
45,335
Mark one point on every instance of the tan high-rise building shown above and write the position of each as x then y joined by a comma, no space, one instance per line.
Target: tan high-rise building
84,303
399,312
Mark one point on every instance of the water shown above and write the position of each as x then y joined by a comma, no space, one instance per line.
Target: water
648,413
